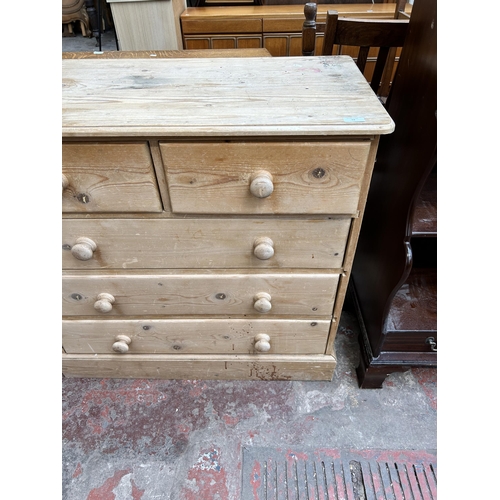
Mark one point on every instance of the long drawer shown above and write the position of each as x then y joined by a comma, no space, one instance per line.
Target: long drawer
109,177
204,243
195,336
195,293
265,177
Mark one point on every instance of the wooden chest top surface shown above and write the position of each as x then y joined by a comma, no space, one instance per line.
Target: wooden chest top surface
214,97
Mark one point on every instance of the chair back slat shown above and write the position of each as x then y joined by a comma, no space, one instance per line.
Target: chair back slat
379,68
362,58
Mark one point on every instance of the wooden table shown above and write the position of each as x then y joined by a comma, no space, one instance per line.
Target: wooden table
161,54
211,210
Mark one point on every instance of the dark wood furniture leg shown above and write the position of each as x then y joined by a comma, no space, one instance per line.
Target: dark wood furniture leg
394,270
94,22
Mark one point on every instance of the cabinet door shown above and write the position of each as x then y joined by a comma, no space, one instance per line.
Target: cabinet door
277,45
288,44
223,42
236,42
295,45
195,43
249,42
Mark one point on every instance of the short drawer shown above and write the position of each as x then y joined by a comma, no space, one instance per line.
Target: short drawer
297,294
108,177
204,243
265,177
195,336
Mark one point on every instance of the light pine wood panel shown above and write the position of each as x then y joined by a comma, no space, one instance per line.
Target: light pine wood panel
148,54
109,177
195,336
151,25
299,294
351,246
308,178
200,367
206,243
323,96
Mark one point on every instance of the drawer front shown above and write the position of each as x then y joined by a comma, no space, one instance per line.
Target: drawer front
108,177
204,243
194,294
192,336
210,26
265,177
410,341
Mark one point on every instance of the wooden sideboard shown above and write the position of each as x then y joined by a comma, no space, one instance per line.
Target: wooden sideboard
211,210
278,28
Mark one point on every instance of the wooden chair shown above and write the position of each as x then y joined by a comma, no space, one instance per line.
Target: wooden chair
366,40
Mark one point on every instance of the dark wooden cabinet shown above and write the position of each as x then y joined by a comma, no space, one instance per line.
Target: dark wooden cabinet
394,277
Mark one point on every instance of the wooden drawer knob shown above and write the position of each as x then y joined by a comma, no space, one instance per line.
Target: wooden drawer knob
263,248
262,302
104,302
65,182
262,342
261,184
121,344
83,249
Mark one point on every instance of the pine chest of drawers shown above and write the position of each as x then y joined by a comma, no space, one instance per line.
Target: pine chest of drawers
211,209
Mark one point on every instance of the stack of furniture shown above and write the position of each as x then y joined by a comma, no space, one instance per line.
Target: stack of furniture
375,44
211,210
395,270
278,28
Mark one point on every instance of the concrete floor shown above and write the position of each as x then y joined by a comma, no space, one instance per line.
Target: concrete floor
182,440
79,43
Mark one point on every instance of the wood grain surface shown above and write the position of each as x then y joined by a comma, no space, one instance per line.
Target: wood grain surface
196,336
198,293
206,243
219,97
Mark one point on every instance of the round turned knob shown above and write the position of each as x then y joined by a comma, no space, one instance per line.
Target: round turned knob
263,248
261,184
83,249
262,302
104,302
121,344
65,182
262,342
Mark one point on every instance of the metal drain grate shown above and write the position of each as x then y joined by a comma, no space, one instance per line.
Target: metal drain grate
273,474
